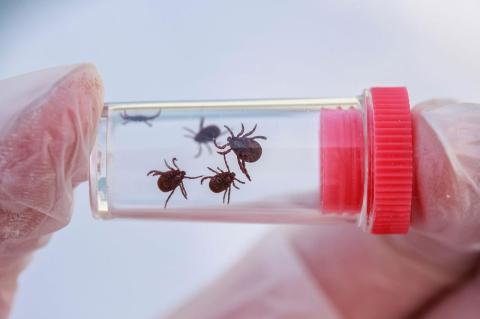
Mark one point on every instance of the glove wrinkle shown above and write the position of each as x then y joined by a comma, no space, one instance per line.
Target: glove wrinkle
48,126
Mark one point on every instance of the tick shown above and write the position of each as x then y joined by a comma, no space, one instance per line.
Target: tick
138,118
171,179
204,136
222,181
244,146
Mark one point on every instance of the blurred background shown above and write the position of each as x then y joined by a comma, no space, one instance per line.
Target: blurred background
187,50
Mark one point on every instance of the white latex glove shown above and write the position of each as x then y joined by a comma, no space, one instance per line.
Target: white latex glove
48,125
340,272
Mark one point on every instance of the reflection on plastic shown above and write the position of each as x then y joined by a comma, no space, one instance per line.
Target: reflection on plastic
298,161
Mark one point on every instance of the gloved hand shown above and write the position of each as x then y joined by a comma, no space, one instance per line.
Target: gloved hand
340,272
48,125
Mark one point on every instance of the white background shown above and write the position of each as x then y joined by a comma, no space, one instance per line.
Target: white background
170,50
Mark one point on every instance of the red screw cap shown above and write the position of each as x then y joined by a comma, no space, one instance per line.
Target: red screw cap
342,155
390,160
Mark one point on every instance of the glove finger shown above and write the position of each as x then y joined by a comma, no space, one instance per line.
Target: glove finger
48,126
447,164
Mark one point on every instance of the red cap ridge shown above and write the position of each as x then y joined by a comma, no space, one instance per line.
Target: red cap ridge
390,160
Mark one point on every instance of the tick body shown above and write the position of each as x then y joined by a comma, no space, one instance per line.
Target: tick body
222,181
138,118
205,135
171,179
245,147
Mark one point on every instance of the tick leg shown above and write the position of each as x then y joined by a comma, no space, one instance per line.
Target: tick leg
240,165
212,170
184,191
166,164
225,152
148,123
243,168
251,132
261,137
239,181
199,151
189,136
156,115
226,164
168,198
208,148
190,131
246,172
206,177
224,194
229,130
241,131
192,177
220,169
125,122
154,173
202,119
229,190
233,183
175,164
218,146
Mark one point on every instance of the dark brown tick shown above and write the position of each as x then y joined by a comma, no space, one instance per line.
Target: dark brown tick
171,179
222,181
204,136
138,118
245,147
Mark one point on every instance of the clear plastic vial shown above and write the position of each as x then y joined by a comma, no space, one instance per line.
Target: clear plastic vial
276,161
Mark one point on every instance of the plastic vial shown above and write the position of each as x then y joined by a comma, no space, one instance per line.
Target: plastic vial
294,161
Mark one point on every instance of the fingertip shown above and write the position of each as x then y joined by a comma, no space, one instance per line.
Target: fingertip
44,151
446,162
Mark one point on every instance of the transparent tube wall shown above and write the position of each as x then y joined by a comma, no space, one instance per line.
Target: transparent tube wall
285,185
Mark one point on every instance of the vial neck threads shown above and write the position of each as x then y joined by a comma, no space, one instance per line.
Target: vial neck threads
342,166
